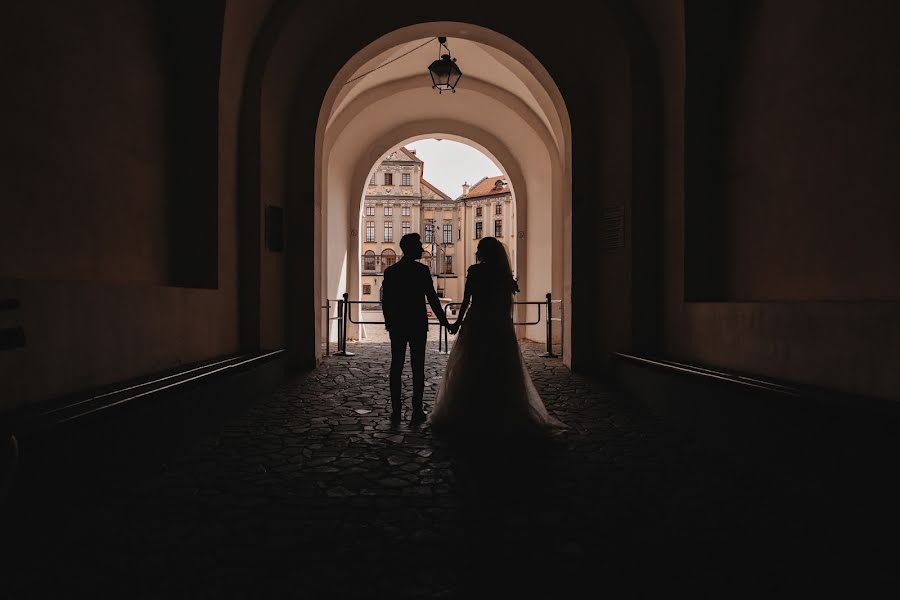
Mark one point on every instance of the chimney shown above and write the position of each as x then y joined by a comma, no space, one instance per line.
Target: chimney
465,189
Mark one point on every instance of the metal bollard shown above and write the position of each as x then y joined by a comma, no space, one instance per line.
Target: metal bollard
327,327
562,327
346,317
549,353
443,336
343,327
340,324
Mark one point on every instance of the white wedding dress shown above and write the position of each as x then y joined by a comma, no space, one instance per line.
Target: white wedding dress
486,387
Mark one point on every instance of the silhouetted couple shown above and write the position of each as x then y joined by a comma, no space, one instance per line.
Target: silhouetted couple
486,387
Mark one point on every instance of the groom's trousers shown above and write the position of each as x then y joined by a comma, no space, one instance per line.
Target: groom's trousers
416,342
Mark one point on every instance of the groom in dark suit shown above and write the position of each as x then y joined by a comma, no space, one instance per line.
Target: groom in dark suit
406,285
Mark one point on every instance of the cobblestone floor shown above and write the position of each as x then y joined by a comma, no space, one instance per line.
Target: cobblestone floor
310,493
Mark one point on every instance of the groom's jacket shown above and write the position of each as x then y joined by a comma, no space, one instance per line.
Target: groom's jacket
407,284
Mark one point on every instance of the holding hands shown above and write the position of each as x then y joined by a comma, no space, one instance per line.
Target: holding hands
453,328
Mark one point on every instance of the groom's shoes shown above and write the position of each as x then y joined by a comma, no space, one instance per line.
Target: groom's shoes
395,417
418,415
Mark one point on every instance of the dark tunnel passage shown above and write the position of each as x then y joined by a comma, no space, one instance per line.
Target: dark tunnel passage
708,191
310,491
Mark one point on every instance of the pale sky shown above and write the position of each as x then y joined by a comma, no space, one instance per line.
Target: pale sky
448,164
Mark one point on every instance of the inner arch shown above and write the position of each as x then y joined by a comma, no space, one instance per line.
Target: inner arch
523,127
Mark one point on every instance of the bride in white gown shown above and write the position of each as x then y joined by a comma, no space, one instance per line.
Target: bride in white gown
486,386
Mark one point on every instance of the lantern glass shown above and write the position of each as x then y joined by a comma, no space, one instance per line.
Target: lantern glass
444,73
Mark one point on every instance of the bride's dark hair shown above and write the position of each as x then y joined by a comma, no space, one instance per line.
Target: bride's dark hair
492,253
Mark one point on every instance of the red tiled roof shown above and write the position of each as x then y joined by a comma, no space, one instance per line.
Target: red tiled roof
488,187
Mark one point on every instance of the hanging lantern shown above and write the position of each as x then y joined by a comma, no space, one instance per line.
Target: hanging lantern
444,72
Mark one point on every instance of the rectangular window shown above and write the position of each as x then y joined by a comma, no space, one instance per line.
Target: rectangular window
370,211
388,210
405,227
388,231
406,211
498,210
498,228
370,231
429,233
477,211
388,179
367,289
479,230
448,264
448,233
372,181
404,179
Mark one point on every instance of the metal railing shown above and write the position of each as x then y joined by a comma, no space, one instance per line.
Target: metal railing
548,304
344,317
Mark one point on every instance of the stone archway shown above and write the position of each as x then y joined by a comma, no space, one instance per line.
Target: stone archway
522,130
512,174
294,77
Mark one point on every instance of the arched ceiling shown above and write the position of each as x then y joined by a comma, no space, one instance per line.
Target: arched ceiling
479,64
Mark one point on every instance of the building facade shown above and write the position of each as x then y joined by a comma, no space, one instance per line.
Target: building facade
488,209
399,200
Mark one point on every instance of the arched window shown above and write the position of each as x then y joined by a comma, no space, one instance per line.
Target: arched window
369,261
388,257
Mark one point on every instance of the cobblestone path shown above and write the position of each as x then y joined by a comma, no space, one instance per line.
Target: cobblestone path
310,493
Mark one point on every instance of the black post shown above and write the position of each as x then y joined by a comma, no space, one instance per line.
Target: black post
340,324
346,322
344,327
549,352
327,327
343,316
549,325
443,335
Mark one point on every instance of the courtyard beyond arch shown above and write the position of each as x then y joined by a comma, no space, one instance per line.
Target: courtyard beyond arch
521,130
